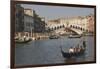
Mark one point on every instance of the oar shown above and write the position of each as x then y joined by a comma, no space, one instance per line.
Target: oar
84,44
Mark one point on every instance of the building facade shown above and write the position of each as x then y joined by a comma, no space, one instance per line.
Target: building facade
19,23
28,22
90,24
39,24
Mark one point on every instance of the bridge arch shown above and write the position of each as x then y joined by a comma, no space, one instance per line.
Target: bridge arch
74,30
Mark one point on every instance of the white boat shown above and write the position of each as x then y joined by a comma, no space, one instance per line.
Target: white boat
23,40
74,36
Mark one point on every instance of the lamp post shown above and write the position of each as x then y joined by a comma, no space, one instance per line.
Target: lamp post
31,32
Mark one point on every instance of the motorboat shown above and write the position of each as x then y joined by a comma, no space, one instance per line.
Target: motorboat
53,37
74,36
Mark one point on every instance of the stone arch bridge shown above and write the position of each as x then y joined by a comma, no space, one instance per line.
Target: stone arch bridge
75,29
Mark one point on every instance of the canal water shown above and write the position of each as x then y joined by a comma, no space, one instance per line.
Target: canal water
48,51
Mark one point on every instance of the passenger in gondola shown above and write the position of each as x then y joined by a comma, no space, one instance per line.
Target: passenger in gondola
82,48
24,38
75,49
78,49
71,50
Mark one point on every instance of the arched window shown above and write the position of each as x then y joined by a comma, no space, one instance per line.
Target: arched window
58,27
55,28
80,28
63,25
76,27
71,26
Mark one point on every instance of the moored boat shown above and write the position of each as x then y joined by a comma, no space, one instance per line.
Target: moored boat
53,37
23,40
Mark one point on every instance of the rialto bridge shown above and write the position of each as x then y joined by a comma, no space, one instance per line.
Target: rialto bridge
67,28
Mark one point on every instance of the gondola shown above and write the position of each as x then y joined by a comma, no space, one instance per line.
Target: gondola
75,54
23,41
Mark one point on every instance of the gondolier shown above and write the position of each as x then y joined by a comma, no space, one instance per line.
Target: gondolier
24,38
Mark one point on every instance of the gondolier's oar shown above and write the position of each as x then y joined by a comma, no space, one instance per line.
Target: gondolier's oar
84,44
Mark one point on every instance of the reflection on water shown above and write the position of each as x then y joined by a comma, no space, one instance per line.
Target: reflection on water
48,51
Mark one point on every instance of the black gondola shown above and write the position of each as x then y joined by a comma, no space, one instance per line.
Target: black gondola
75,54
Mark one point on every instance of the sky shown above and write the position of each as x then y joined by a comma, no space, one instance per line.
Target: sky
54,12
